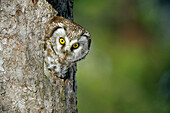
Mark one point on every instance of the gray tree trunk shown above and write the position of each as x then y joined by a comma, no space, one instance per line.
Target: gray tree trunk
23,86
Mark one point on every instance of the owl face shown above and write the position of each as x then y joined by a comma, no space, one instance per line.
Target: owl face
71,49
65,43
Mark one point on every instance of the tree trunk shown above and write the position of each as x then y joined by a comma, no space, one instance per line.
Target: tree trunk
23,85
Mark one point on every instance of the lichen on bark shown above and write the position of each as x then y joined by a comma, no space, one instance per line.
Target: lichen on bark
23,85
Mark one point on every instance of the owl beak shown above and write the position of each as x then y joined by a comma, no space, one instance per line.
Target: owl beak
65,53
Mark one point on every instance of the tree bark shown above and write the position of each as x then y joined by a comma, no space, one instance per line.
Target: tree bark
23,86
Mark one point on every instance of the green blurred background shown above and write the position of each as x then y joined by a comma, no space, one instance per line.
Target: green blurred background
128,67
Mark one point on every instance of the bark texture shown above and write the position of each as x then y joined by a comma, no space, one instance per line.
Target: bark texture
23,86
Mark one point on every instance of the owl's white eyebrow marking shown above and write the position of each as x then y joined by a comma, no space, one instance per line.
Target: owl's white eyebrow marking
83,34
58,27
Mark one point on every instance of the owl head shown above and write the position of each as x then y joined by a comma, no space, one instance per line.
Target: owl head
68,40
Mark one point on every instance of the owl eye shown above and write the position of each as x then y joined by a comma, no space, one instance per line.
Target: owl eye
75,46
62,41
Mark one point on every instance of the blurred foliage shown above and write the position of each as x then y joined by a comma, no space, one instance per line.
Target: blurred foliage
128,67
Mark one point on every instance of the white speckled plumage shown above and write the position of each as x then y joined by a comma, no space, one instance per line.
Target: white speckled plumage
65,43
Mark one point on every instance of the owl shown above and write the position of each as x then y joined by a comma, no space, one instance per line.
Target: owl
65,44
